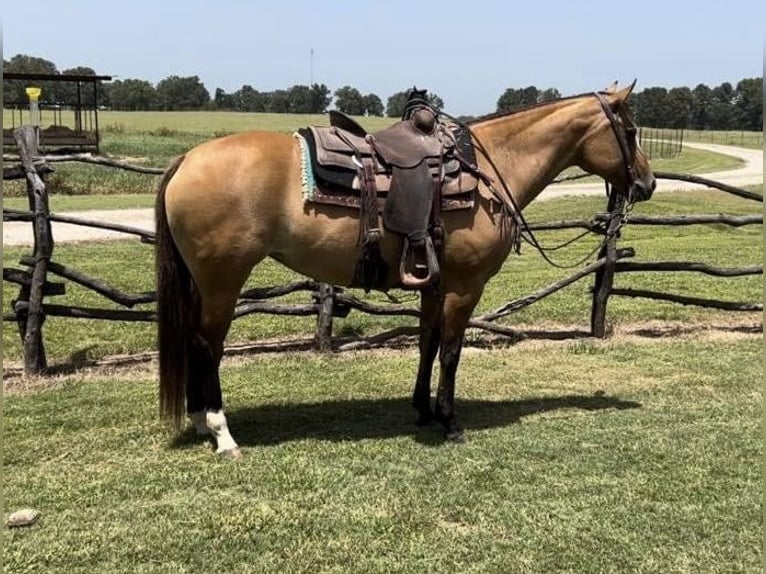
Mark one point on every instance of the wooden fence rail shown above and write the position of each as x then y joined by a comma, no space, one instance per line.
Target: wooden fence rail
327,301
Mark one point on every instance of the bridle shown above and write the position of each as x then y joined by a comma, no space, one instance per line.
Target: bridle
621,130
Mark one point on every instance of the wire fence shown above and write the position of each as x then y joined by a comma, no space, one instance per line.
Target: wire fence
660,142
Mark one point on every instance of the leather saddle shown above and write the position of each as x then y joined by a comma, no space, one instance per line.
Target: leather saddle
412,171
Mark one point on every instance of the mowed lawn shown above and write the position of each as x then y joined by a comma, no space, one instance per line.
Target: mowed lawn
628,455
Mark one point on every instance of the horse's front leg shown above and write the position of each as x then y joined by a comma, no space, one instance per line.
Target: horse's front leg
430,332
457,311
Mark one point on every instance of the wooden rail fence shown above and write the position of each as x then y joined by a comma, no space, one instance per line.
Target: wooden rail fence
29,309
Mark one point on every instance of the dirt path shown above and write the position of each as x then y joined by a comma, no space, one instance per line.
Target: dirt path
20,233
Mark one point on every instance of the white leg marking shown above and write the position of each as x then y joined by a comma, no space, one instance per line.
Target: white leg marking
216,422
199,420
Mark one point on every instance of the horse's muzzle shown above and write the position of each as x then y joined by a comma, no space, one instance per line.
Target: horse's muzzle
644,188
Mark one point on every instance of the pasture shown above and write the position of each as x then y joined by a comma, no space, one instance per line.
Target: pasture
640,453
637,454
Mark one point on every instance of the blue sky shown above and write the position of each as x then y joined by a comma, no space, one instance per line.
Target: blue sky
467,52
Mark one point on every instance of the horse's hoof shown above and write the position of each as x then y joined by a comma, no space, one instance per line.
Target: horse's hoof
456,436
232,453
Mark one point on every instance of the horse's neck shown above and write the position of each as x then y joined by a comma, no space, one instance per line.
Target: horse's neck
531,147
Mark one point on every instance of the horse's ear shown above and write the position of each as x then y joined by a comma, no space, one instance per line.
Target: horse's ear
626,91
611,89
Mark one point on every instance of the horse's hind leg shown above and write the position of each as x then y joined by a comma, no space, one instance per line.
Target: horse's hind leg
430,330
204,400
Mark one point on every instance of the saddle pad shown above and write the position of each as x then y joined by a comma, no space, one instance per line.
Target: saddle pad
337,186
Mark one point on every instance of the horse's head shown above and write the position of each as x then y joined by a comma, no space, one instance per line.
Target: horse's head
611,148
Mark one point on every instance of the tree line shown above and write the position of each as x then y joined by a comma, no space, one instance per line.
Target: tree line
727,106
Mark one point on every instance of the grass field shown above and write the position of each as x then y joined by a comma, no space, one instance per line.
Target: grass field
631,455
752,140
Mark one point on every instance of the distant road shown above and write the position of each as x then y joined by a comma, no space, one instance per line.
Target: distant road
20,233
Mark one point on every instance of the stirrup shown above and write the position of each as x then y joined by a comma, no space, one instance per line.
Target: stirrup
411,271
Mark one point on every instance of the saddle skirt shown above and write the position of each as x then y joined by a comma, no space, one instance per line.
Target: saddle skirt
335,155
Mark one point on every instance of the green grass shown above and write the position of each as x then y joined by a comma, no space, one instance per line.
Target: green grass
59,203
617,456
128,265
752,140
154,138
697,161
199,122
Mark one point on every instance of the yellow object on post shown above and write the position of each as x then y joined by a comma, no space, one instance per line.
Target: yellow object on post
33,93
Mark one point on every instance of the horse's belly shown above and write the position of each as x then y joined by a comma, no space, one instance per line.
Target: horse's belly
327,248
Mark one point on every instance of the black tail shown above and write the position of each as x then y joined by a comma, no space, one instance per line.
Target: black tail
178,309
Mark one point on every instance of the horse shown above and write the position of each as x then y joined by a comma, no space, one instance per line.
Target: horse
230,202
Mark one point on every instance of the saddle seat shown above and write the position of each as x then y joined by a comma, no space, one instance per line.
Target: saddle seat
411,170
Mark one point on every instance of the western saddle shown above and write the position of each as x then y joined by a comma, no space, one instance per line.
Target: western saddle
413,170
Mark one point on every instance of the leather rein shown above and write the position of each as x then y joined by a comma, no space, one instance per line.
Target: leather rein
512,210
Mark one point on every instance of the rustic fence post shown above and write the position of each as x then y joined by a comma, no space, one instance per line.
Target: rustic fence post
323,338
34,349
605,276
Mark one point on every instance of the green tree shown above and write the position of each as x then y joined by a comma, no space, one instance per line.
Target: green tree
182,93
132,95
435,102
349,100
14,91
680,105
548,95
224,101
278,102
373,106
515,98
320,98
299,97
722,111
312,99
700,116
248,99
651,107
395,104
749,104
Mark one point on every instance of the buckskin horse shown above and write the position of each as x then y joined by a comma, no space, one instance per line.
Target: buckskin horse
230,202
